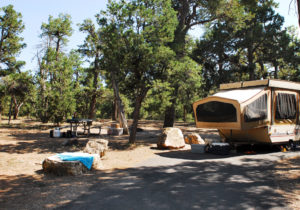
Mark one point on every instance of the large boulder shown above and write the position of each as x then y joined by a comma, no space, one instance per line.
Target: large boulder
58,167
96,146
193,138
171,138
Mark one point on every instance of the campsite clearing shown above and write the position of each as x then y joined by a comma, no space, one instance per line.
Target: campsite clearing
134,175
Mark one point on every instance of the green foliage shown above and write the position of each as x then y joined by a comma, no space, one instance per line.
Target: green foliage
140,51
2,96
229,55
156,101
189,79
56,70
92,50
11,26
57,30
289,61
134,37
20,87
61,96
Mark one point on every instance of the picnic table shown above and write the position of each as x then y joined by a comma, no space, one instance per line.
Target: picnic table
75,123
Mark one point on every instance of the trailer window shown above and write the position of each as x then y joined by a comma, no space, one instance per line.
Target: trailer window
285,106
215,111
257,110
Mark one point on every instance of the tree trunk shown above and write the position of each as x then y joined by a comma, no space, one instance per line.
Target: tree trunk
251,66
9,114
184,113
43,115
178,46
92,107
114,110
94,94
275,71
170,115
221,72
1,110
94,97
17,111
17,107
170,111
136,115
262,69
121,116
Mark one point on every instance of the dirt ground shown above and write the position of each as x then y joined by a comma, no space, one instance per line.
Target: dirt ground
26,143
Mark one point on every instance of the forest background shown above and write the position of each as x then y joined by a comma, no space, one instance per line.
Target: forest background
137,59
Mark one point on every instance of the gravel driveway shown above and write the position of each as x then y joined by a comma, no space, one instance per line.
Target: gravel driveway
183,180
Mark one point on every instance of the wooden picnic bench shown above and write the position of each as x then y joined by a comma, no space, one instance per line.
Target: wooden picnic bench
98,127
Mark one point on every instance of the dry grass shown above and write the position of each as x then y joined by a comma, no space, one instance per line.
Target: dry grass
288,178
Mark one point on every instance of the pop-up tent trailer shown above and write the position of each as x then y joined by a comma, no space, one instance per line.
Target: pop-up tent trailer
261,111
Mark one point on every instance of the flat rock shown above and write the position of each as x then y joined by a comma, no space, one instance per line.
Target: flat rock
194,138
96,146
58,167
171,138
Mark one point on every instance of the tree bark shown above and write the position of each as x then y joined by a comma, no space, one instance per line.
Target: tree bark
170,115
275,70
184,113
121,116
178,46
17,111
95,85
114,111
1,110
43,114
262,69
9,114
187,18
170,111
251,66
136,115
17,107
94,97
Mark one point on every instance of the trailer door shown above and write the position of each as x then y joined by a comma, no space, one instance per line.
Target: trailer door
285,116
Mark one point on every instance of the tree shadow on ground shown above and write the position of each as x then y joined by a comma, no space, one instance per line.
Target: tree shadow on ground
245,150
26,125
40,142
209,184
205,185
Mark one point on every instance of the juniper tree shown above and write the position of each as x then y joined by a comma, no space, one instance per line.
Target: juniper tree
136,45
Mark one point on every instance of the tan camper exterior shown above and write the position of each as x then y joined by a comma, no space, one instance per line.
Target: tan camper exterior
261,111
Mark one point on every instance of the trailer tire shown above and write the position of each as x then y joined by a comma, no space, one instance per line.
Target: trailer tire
292,145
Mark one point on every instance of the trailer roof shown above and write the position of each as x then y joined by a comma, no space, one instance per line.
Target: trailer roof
240,95
266,83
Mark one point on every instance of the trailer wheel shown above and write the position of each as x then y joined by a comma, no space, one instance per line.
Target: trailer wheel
292,145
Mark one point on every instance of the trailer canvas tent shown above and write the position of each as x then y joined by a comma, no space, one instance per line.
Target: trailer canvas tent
262,111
